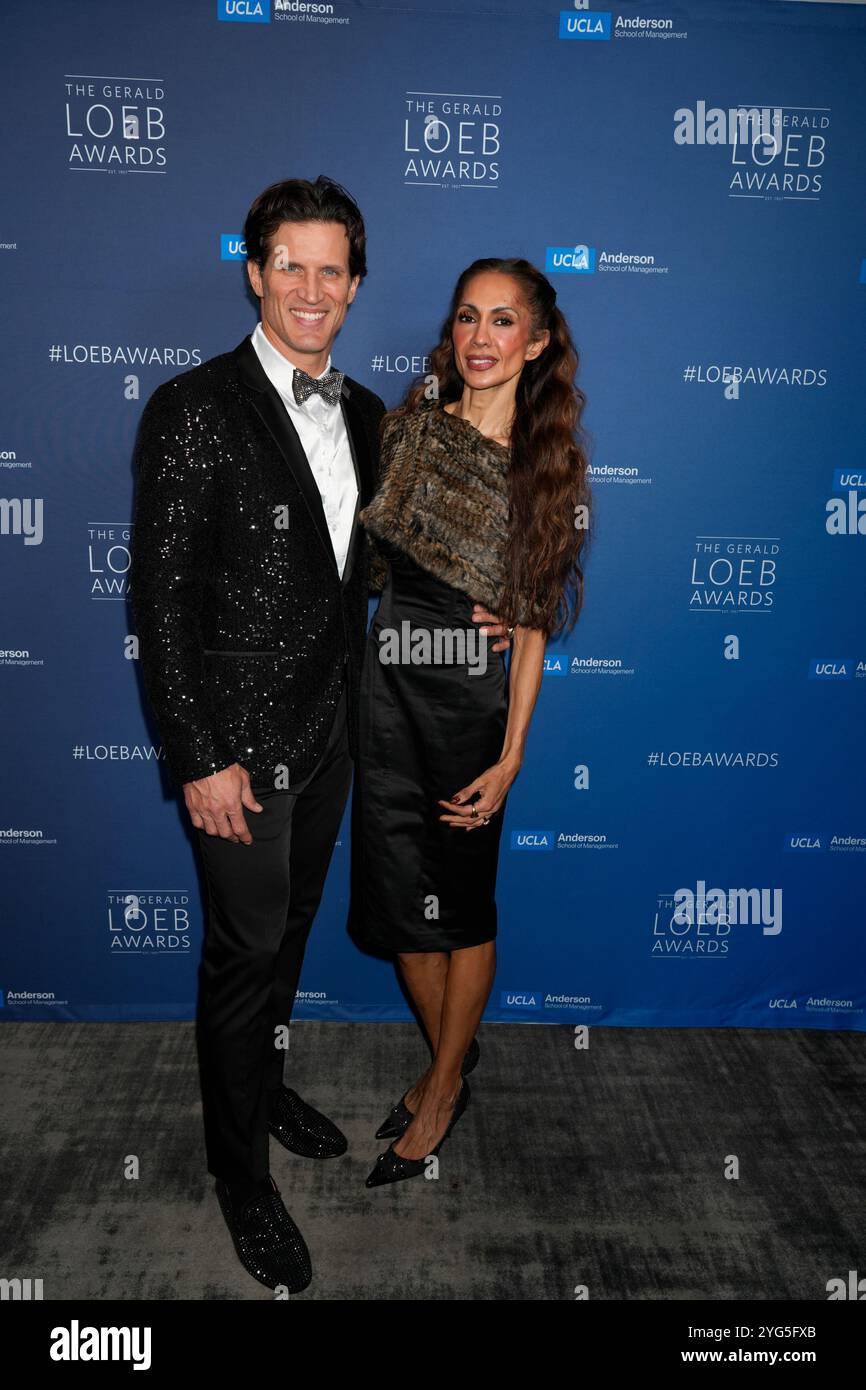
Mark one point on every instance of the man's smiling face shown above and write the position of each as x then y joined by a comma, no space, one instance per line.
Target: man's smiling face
305,290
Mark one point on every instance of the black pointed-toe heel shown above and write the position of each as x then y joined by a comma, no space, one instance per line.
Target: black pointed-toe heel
399,1118
390,1167
470,1061
397,1121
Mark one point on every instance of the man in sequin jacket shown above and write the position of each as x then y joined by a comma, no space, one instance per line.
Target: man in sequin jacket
249,585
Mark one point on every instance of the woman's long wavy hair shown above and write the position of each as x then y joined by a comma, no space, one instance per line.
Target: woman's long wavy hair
549,497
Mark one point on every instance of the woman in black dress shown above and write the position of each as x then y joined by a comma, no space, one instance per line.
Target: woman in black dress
483,500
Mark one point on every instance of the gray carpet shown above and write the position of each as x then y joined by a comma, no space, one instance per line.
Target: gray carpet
603,1168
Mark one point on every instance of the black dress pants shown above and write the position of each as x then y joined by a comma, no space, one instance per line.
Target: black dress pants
262,899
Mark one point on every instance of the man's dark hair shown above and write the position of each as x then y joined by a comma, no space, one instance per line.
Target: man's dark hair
299,200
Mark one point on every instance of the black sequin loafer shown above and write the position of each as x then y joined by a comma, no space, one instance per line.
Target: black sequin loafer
303,1130
267,1242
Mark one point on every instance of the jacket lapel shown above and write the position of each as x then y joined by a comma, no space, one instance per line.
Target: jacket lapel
360,447
266,400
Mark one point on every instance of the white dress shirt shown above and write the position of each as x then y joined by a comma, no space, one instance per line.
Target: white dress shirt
325,441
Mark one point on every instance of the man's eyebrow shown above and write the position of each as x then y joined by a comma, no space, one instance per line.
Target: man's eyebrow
295,260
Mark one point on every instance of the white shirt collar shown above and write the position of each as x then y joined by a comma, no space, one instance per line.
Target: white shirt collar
280,370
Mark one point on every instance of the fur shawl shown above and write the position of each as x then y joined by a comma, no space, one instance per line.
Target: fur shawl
443,500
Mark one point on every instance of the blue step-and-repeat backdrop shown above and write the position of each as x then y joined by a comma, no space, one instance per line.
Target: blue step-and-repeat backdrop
686,843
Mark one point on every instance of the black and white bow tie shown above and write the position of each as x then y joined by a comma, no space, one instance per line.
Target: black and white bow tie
328,386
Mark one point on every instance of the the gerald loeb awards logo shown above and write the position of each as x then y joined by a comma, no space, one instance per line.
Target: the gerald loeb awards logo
115,125
147,923
451,140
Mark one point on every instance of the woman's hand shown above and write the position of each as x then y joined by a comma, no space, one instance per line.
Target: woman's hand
492,788
493,627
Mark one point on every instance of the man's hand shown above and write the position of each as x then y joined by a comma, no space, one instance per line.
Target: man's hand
216,803
493,627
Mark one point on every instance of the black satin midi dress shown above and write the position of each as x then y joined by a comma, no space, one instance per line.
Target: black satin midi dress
426,731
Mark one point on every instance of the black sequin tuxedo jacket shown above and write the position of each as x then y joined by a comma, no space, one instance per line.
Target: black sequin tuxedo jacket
245,626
